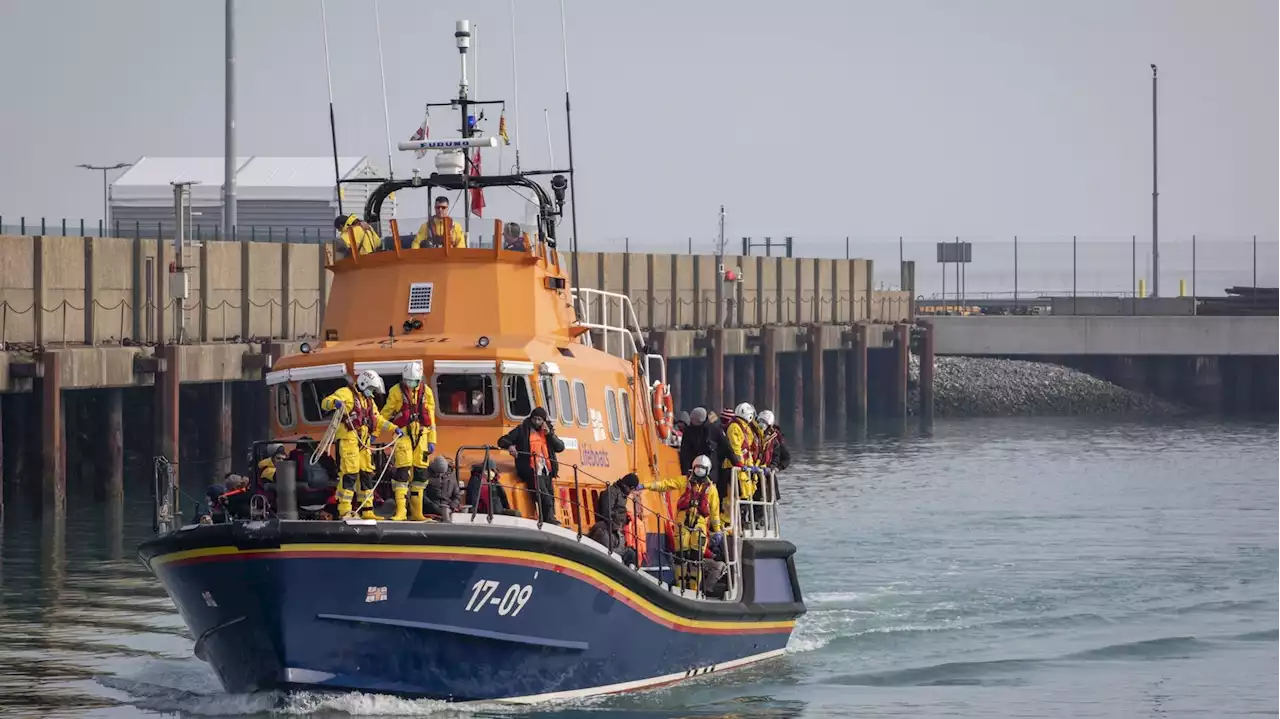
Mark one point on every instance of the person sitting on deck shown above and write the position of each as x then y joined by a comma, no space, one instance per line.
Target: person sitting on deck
534,446
513,238
442,495
357,234
697,519
433,232
484,477
267,467
613,517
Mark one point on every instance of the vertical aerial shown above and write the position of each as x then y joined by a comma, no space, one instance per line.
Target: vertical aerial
229,141
333,131
1155,195
568,126
382,75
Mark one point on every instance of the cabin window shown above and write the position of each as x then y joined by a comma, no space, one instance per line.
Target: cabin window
313,393
548,386
284,405
465,395
519,398
611,409
566,402
628,427
580,403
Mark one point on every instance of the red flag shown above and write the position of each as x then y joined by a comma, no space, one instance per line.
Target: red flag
477,194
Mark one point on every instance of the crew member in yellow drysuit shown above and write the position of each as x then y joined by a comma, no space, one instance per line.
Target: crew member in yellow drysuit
357,235
742,456
411,406
697,517
433,232
360,425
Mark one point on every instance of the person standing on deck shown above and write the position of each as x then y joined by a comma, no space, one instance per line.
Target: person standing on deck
697,520
357,235
534,446
436,230
360,424
411,406
702,435
742,456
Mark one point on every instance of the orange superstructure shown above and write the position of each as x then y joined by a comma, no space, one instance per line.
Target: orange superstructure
497,333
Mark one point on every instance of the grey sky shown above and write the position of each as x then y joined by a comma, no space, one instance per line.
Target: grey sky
807,118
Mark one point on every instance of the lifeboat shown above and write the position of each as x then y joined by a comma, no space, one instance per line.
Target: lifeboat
475,603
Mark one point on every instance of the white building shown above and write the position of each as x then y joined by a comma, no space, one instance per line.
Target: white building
276,197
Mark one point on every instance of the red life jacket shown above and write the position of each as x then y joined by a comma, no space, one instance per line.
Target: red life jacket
696,499
414,411
362,414
771,436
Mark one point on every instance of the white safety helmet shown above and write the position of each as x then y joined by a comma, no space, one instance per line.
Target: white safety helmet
701,466
412,373
765,418
745,412
369,383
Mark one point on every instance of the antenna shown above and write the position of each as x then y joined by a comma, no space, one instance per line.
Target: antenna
568,123
333,131
515,84
229,164
551,155
462,33
382,74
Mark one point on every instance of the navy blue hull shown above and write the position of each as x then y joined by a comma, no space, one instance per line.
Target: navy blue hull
448,621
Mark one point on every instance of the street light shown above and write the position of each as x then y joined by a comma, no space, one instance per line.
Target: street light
106,217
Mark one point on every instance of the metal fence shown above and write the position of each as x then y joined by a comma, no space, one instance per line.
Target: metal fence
1200,265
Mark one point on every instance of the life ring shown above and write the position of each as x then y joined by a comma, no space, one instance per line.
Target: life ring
663,414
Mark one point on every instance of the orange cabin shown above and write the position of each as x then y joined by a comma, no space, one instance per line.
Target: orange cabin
498,336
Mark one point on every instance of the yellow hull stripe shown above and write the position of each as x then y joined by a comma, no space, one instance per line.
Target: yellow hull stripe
519,556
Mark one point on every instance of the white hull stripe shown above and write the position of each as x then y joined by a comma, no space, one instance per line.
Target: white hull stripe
639,683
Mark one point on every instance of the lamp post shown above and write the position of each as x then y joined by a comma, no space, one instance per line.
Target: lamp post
1155,195
104,169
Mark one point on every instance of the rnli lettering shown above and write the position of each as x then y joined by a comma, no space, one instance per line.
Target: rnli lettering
595,458
484,593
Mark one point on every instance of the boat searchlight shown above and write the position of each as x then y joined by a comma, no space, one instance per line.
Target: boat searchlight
558,186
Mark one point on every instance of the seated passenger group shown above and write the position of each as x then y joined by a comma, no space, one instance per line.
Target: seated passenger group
360,237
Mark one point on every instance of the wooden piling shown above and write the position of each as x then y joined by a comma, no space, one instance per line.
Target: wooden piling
901,368
926,371
52,436
675,368
224,450
840,393
114,410
815,382
748,382
168,383
859,360
770,351
797,392
729,392
715,367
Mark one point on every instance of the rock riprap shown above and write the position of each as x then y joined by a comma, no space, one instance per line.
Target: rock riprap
985,387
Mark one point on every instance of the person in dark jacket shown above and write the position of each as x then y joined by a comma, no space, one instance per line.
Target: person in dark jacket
613,516
703,436
443,494
484,476
534,446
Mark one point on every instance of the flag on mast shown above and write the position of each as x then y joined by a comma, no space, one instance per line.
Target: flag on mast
423,132
477,193
502,128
